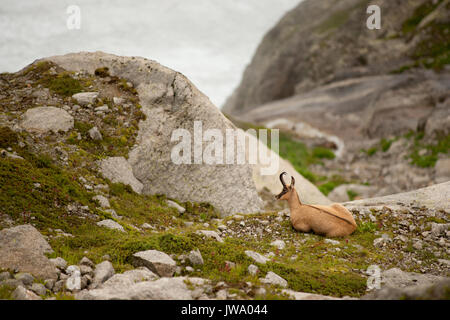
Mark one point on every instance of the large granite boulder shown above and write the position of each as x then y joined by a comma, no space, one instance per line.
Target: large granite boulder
170,101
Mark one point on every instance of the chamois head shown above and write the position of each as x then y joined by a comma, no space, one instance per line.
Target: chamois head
286,192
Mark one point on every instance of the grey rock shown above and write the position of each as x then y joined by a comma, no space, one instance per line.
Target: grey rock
175,205
331,241
130,277
104,202
26,278
195,257
439,228
59,262
252,269
45,119
280,244
21,293
433,198
397,278
59,285
50,283
85,98
160,289
274,279
11,283
84,269
117,169
156,261
102,109
103,271
95,134
210,234
306,296
86,262
23,248
258,258
39,289
5,276
437,290
110,224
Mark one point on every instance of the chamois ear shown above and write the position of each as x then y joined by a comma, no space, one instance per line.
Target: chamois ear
292,182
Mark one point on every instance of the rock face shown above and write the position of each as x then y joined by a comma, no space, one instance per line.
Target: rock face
156,261
23,248
322,41
45,119
433,198
397,284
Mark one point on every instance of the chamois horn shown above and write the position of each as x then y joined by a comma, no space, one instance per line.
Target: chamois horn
281,179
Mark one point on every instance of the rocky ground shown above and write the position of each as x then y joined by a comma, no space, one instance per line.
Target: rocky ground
76,222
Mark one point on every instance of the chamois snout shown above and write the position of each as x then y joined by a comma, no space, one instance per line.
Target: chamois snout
284,194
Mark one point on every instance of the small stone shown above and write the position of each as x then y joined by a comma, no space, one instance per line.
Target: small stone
110,224
59,285
333,242
104,202
26,278
5,276
86,262
103,108
157,261
280,244
103,271
189,269
274,279
258,258
106,257
210,234
20,293
86,270
39,289
195,257
59,262
418,245
85,98
175,205
50,283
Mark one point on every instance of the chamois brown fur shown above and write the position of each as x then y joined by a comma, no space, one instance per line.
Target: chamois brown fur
331,221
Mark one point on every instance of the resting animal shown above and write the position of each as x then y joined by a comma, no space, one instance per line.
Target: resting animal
330,221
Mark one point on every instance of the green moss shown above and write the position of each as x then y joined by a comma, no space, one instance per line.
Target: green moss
323,153
352,194
63,84
441,145
385,144
308,279
410,24
8,138
6,292
102,72
331,183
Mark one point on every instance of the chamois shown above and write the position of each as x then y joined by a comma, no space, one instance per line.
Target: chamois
330,221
